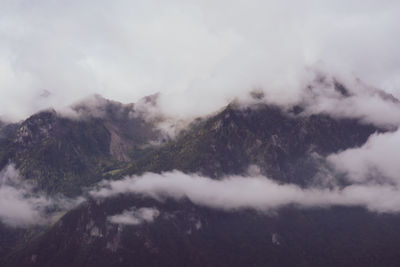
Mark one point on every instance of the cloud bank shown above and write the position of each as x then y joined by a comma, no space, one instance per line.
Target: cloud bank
257,192
377,160
21,206
198,54
358,100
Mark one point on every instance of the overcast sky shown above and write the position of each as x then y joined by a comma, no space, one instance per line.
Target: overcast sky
199,54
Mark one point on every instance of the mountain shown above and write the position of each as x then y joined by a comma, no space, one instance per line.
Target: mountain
186,234
286,146
64,154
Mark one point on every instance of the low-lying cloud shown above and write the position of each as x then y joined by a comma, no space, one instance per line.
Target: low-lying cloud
260,193
376,160
359,101
135,216
21,206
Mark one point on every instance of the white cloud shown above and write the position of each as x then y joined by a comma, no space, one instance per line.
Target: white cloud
135,216
17,206
363,102
21,206
376,160
199,54
261,193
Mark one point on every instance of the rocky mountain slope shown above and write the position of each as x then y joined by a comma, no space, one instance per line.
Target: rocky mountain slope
63,154
186,234
66,154
286,146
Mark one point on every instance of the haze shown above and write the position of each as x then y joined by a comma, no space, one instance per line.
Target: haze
198,54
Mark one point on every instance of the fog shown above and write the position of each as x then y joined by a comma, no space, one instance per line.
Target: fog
22,206
255,192
377,160
198,54
135,216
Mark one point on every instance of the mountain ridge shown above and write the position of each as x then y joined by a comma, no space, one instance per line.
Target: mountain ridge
284,145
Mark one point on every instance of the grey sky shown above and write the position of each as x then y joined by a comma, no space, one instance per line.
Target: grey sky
199,54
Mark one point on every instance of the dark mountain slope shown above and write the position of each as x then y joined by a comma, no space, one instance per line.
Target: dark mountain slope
285,146
62,155
7,131
188,235
107,141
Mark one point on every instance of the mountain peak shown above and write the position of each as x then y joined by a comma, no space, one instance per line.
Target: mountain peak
36,128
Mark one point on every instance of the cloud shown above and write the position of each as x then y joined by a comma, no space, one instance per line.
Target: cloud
376,160
360,101
21,206
135,216
198,54
257,192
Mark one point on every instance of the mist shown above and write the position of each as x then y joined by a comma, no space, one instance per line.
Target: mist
376,160
135,216
198,55
254,192
22,206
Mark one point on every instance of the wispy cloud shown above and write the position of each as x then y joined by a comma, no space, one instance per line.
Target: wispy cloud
260,193
377,160
21,206
135,216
